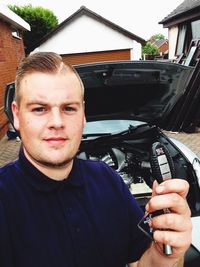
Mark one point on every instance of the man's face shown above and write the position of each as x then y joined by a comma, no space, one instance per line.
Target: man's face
50,117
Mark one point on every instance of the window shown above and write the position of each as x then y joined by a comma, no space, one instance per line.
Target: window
16,33
181,40
190,55
187,32
184,38
194,53
195,25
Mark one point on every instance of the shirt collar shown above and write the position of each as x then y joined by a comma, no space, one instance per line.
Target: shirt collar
44,183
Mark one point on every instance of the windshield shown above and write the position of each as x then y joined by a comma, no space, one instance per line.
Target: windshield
109,126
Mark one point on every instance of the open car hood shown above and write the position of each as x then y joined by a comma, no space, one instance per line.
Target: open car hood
139,90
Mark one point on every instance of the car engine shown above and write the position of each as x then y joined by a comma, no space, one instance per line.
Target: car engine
129,154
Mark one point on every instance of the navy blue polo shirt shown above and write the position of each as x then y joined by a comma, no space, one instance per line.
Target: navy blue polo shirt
89,219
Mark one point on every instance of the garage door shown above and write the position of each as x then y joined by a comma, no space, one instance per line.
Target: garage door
97,56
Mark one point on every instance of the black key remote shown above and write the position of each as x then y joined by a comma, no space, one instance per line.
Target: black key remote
162,169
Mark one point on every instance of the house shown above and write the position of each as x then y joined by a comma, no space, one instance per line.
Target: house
183,25
86,37
11,52
163,46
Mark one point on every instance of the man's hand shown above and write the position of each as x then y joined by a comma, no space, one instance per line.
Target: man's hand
171,194
175,227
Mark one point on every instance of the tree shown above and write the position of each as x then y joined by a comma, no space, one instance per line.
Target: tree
149,49
158,36
41,21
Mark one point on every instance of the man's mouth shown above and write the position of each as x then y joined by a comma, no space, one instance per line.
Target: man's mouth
55,140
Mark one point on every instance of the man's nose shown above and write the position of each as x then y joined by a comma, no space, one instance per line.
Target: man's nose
56,119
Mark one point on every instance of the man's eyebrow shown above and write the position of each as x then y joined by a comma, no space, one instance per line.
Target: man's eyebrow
35,102
43,103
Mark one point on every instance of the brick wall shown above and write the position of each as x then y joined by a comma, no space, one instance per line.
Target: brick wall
11,52
163,48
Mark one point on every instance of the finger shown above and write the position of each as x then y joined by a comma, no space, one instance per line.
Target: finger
174,239
178,186
155,184
171,201
171,221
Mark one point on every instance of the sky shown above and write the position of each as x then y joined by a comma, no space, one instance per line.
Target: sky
139,17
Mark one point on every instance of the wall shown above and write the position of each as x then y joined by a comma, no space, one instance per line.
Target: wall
11,52
136,51
164,48
172,36
85,35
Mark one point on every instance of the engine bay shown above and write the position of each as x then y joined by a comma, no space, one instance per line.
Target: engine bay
130,155
131,164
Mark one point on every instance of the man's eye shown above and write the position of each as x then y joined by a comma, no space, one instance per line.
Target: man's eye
38,109
69,109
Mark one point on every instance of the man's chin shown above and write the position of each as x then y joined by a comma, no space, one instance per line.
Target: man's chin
49,161
54,163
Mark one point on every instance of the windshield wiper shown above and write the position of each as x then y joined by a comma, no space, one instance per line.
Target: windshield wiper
132,133
131,129
84,136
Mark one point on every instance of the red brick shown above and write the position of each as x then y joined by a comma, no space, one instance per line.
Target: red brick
11,52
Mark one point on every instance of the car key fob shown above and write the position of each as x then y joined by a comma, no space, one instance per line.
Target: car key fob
162,169
143,225
162,165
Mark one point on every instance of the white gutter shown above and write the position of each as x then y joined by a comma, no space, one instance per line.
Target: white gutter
9,16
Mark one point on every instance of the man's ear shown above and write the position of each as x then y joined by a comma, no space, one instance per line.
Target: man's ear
84,123
15,111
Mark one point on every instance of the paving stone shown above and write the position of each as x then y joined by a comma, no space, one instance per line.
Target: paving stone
9,150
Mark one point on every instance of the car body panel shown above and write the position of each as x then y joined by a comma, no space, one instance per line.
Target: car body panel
140,90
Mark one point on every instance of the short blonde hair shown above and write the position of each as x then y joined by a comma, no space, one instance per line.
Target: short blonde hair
46,62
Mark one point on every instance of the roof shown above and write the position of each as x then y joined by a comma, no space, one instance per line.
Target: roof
184,7
159,43
85,11
9,16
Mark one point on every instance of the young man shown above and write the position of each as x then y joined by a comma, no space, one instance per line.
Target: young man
56,210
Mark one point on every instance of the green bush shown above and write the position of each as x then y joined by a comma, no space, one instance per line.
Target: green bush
149,49
41,21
